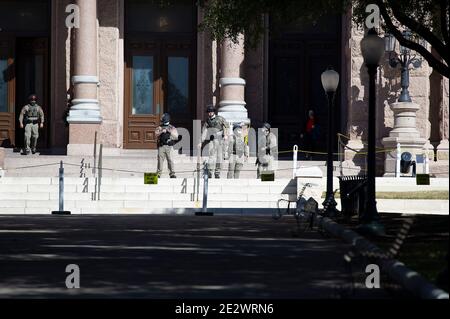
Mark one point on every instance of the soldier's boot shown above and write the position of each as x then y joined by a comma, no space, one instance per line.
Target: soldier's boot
218,169
209,172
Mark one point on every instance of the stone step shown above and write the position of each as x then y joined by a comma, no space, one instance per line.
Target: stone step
25,184
440,207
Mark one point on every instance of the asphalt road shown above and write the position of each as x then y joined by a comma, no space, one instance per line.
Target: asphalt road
161,256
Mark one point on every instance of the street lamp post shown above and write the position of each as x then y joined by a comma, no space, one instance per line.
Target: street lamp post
330,82
372,47
405,59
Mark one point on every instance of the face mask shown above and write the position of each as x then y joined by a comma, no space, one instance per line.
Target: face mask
212,117
33,103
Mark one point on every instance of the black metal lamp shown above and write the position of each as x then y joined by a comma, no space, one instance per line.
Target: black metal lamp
405,59
372,48
330,82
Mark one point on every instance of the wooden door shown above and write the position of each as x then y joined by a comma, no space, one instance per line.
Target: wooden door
158,79
7,95
143,100
178,82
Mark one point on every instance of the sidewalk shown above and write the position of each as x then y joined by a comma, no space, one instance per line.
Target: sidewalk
171,257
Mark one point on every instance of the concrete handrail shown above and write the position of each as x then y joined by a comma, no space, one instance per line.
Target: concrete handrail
409,279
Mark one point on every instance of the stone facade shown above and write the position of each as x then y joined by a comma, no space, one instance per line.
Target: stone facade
215,61
388,89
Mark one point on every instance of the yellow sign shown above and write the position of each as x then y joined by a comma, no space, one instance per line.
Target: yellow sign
150,178
423,179
268,176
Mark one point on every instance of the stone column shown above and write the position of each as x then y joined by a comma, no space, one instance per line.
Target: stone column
232,85
84,116
443,147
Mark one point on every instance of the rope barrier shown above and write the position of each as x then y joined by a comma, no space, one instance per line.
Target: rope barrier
33,166
349,138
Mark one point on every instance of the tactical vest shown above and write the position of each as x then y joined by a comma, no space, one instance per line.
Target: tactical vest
33,113
164,138
215,123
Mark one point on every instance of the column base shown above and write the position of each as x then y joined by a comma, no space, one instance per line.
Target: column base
442,153
429,150
352,156
81,139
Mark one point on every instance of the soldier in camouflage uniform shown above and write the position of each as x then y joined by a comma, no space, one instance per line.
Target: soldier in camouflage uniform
215,130
239,151
267,148
167,136
31,118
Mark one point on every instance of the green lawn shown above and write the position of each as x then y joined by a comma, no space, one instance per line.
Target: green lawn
426,247
443,195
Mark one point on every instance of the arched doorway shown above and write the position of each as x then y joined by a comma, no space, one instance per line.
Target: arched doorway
160,65
298,54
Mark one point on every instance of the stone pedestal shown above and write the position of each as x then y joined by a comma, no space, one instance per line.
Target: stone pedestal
232,85
404,132
352,156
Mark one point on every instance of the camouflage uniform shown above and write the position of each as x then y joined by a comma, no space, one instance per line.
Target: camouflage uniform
33,115
166,140
217,128
238,150
267,147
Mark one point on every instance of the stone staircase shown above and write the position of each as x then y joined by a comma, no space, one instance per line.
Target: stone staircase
39,195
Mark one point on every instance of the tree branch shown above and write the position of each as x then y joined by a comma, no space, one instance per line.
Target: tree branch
432,61
419,29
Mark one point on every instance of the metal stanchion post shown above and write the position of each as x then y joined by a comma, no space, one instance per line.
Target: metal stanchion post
95,154
61,210
397,163
199,156
100,171
294,167
204,211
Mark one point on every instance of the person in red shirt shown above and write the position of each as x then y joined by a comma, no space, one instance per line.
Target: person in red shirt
309,135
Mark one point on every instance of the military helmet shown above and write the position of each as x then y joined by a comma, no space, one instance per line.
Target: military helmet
267,126
165,118
210,108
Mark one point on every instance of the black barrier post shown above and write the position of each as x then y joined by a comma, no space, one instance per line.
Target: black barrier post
61,210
